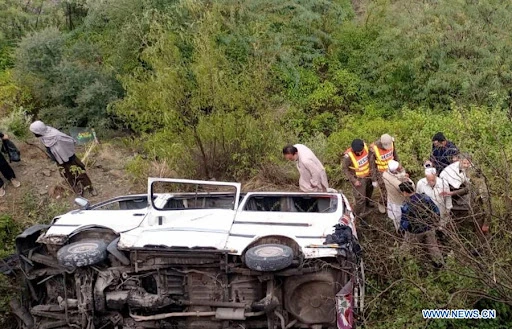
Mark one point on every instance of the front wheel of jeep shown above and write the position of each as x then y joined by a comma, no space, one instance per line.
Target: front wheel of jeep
82,253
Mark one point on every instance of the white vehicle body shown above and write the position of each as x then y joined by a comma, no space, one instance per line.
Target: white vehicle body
196,259
223,229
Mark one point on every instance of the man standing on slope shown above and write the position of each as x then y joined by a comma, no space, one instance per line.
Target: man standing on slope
381,152
393,177
6,169
356,166
312,173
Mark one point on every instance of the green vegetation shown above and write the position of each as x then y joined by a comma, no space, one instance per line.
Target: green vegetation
8,229
214,89
17,122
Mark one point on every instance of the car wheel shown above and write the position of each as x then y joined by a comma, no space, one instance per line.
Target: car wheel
82,253
269,257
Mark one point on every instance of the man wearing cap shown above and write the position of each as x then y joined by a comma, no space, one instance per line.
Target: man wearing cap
356,166
444,152
393,177
312,173
438,190
381,152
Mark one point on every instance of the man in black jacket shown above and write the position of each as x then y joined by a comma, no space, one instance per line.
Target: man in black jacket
443,152
420,216
6,170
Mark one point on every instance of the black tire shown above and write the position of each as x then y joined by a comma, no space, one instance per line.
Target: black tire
82,253
269,257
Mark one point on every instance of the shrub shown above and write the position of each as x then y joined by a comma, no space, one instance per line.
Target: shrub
11,94
222,146
67,79
17,123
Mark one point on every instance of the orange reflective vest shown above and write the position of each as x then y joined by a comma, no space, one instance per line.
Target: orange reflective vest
382,157
360,163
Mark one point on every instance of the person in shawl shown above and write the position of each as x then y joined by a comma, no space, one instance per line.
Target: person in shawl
61,149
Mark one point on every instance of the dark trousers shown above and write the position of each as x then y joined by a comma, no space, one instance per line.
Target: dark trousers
74,172
6,170
362,194
426,239
382,188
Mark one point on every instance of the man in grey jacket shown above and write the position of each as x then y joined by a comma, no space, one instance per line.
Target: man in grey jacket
312,173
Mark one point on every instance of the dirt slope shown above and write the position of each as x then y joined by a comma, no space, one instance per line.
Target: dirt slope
39,176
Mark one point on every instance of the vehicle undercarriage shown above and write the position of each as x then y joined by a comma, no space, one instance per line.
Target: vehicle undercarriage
155,287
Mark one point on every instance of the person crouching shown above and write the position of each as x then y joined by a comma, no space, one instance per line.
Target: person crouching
420,216
61,149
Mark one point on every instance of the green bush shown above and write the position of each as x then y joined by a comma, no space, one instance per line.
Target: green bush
414,288
6,58
17,123
222,146
12,95
430,54
66,80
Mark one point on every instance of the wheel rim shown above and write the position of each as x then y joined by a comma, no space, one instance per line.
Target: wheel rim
85,247
269,252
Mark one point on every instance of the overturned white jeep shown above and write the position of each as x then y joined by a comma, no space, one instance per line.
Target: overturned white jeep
194,254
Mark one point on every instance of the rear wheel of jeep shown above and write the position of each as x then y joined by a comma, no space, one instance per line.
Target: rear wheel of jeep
82,253
269,257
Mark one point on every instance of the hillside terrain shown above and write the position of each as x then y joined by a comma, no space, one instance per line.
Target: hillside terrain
215,89
40,178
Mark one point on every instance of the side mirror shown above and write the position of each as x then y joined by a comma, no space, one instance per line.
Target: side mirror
82,203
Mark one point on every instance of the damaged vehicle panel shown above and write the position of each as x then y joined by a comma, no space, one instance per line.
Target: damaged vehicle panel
194,254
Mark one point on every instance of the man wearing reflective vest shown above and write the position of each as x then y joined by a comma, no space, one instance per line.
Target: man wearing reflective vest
381,152
356,166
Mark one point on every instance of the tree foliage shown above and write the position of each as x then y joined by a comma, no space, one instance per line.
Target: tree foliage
432,53
67,82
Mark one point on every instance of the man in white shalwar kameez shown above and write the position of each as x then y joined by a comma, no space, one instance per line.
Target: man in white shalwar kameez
312,173
393,177
438,190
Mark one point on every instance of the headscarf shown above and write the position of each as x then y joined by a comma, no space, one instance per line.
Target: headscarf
61,145
396,170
